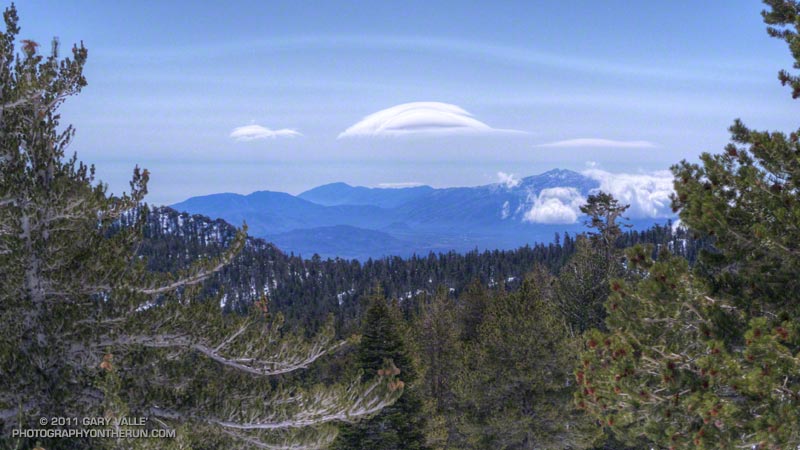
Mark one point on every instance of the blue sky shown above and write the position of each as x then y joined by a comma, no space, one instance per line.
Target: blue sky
631,87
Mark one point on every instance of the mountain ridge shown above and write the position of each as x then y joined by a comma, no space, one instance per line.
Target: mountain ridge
340,193
340,220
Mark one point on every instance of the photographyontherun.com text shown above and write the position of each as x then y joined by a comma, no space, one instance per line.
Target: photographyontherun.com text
93,427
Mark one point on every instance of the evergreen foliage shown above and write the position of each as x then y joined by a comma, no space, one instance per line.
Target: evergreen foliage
782,16
514,391
306,291
87,331
437,332
582,285
669,371
603,212
710,358
444,308
403,424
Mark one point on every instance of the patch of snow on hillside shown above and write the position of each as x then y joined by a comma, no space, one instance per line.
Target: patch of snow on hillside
341,296
506,211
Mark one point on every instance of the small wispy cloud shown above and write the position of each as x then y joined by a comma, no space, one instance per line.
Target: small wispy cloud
406,184
420,118
508,180
597,143
255,132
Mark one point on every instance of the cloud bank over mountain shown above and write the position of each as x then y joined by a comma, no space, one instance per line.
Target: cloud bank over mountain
556,205
420,118
648,195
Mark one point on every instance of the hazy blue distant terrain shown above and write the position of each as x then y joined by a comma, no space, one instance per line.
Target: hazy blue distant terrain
358,222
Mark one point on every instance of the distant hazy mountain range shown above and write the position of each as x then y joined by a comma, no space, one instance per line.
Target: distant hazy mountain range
358,222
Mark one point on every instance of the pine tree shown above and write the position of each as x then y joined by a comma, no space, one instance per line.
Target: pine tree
514,389
604,212
581,288
710,358
402,425
582,285
670,370
781,16
86,331
437,331
471,308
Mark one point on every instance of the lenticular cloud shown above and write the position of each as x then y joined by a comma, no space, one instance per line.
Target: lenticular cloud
419,118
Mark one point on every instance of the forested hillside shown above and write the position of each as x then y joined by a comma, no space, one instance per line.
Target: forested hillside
454,316
308,289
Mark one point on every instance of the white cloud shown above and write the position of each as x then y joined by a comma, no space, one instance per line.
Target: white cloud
254,132
555,205
597,143
419,118
508,179
401,185
647,193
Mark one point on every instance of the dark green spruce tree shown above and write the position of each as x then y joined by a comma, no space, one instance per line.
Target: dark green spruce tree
86,331
710,358
402,425
471,307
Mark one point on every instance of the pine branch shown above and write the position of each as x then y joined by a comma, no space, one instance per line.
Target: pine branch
282,363
184,282
322,441
199,274
23,100
326,407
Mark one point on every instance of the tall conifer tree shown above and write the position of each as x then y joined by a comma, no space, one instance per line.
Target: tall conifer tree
402,425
